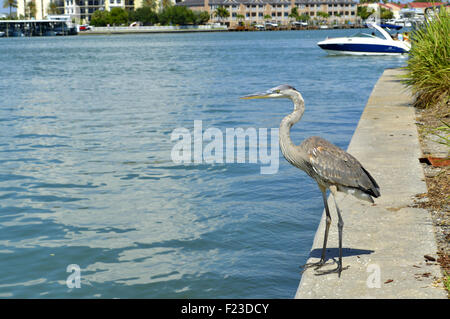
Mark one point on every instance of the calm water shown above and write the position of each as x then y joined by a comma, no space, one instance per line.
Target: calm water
86,175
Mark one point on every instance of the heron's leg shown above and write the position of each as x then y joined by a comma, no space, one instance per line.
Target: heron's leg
340,230
325,239
327,225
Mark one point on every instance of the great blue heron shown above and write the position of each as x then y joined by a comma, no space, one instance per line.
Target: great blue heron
331,167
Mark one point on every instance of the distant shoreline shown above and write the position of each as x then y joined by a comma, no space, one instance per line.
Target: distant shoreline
152,29
188,29
83,33
29,28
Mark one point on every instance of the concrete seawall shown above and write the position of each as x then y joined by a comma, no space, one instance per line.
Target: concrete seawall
383,244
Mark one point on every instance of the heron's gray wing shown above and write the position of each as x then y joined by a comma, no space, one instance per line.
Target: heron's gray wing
336,166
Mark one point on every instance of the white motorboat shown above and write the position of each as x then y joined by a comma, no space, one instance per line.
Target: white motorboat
366,44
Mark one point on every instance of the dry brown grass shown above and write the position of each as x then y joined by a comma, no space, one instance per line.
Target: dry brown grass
438,182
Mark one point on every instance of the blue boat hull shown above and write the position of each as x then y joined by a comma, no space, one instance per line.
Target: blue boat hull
357,47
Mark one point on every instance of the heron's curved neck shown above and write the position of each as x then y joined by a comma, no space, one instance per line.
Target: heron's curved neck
286,144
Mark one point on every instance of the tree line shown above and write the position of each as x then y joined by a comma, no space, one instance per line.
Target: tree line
170,15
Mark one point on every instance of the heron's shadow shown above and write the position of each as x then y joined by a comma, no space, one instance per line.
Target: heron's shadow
334,252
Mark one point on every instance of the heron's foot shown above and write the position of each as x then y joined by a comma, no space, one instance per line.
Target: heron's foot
315,265
338,269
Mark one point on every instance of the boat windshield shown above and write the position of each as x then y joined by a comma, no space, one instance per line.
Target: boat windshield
363,35
374,34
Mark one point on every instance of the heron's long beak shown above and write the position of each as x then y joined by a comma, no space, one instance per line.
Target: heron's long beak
264,95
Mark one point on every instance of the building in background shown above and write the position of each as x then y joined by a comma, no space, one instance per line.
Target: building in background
404,13
259,11
43,8
247,11
416,10
395,8
392,7
79,10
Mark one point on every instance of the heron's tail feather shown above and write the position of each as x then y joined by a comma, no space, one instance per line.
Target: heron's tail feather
372,189
360,194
